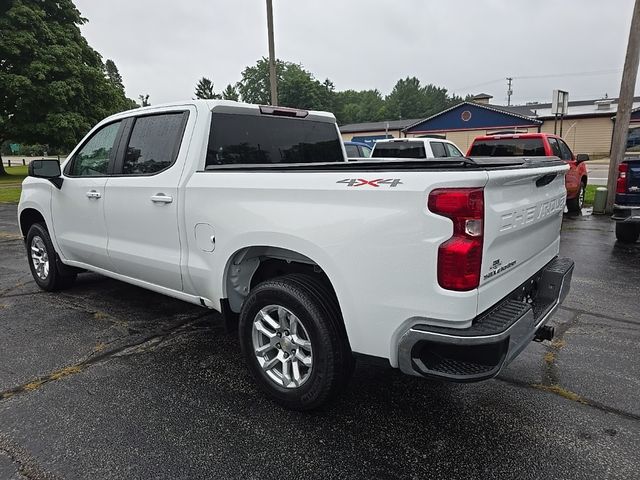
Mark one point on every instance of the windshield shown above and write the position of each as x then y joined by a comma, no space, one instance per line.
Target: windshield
508,147
399,150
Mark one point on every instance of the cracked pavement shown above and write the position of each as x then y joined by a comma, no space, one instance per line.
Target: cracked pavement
107,380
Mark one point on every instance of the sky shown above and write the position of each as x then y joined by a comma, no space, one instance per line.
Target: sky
163,47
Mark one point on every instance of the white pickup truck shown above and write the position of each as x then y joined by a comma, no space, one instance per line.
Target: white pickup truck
422,147
446,268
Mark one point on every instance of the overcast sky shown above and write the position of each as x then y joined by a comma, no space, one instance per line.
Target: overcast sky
163,47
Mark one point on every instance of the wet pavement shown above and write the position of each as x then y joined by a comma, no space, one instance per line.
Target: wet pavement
107,380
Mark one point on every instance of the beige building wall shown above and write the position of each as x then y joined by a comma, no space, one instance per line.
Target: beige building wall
585,135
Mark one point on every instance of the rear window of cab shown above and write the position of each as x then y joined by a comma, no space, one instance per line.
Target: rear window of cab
508,147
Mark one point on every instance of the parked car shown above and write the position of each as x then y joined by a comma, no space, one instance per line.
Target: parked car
626,209
357,150
445,269
538,145
415,148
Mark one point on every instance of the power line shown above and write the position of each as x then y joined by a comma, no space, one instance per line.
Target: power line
548,75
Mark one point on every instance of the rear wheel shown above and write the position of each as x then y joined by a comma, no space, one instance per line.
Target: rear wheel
575,204
627,232
293,341
45,267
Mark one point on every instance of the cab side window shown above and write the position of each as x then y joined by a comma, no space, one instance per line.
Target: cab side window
565,151
93,158
555,148
453,151
154,143
438,149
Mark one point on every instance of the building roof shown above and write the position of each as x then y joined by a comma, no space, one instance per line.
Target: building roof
377,126
579,108
482,96
479,105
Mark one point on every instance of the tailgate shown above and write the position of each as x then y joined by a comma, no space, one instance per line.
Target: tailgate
523,215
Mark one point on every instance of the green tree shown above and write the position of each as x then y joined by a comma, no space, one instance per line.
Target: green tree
113,74
230,93
409,99
297,87
352,106
54,85
204,90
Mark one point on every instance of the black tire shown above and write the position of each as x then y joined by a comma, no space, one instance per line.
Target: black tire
627,232
575,204
317,309
56,276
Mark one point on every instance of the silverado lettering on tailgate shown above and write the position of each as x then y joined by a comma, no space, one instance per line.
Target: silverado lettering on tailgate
528,215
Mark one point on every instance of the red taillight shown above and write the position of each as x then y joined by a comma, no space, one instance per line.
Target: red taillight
621,183
460,257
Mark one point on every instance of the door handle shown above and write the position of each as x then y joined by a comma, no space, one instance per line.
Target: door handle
93,194
161,198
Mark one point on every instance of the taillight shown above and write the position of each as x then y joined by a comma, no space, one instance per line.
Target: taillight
621,183
460,257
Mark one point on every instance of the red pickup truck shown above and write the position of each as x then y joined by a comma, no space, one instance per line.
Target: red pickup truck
538,145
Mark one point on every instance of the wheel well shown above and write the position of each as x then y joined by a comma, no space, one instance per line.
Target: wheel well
252,265
584,179
28,217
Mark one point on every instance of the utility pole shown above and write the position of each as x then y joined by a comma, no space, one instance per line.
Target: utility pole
273,80
625,104
509,91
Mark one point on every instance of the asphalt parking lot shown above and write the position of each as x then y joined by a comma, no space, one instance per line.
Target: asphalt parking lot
107,380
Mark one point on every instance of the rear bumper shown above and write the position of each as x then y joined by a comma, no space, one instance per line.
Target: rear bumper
624,213
495,338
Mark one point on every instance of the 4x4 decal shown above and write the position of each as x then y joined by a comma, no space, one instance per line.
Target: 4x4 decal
359,182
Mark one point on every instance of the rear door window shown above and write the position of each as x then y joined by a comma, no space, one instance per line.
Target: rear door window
555,148
236,139
154,143
438,149
399,150
352,151
366,151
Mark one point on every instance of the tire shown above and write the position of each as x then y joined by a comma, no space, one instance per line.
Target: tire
575,204
627,232
319,345
46,268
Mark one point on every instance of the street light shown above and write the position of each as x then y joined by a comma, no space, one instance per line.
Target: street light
272,55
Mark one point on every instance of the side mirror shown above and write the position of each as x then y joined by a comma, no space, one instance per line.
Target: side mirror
582,157
49,169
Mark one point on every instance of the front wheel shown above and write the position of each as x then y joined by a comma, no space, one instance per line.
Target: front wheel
627,232
293,341
45,268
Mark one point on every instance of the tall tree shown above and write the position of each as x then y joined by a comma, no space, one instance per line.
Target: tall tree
54,85
204,90
409,99
351,106
113,74
230,93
